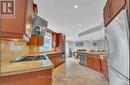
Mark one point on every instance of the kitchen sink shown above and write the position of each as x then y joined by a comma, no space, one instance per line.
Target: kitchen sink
30,58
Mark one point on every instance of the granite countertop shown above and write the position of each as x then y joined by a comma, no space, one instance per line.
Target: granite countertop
43,53
27,66
97,53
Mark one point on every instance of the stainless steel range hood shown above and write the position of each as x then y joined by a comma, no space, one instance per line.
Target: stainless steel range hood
39,25
38,21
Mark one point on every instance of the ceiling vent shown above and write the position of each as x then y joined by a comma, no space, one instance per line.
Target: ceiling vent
92,30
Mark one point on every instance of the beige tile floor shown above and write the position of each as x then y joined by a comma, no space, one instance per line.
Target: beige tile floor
72,73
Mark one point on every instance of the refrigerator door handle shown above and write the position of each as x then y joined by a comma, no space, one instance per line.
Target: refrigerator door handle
122,78
107,43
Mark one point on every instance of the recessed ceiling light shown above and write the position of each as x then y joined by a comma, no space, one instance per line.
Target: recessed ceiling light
79,24
76,6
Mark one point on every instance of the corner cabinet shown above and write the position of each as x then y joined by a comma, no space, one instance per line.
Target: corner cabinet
56,58
18,26
111,9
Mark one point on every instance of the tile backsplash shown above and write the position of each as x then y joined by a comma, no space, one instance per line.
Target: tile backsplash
10,49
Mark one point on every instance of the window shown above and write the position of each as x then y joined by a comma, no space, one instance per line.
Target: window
47,43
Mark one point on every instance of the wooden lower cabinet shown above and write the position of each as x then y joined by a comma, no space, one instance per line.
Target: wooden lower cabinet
93,61
104,67
89,61
56,59
112,9
96,63
43,77
18,24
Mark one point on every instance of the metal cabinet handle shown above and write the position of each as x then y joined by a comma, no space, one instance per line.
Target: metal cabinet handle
107,46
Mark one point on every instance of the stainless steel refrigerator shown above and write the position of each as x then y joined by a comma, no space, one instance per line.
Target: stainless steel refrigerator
117,38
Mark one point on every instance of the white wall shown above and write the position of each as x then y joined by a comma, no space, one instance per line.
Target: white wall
100,45
88,45
67,48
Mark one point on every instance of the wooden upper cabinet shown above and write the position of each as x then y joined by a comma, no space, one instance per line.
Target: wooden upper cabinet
19,26
32,40
89,61
62,38
40,41
116,6
54,36
107,14
59,39
111,9
36,40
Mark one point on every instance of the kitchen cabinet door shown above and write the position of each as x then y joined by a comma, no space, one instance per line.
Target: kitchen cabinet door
89,61
56,59
52,58
96,63
57,40
111,9
33,40
104,67
116,6
43,77
54,39
36,40
60,38
18,26
40,40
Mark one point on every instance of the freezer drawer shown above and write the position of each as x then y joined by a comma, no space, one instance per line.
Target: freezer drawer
116,78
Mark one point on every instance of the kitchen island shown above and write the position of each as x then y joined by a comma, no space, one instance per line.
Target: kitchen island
84,56
96,61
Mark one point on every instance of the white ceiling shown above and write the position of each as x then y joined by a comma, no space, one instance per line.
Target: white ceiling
63,17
